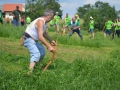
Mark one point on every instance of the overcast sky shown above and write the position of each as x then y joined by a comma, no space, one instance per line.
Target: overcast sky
70,6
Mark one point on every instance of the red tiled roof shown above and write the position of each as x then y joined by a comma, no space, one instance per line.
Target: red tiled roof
11,7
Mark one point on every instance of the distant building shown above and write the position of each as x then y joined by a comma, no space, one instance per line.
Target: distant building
8,8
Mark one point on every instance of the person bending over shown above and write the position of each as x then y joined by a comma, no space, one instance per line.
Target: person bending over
34,32
75,28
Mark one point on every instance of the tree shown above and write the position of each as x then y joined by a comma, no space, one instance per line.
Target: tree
99,11
82,10
36,8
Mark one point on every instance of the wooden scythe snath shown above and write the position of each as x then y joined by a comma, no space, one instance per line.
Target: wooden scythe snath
51,60
103,29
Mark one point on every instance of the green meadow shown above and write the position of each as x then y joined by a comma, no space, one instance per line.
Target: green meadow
78,65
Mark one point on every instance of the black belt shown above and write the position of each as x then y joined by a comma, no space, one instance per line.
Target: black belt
28,36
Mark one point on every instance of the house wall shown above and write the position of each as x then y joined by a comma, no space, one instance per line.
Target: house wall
7,14
23,8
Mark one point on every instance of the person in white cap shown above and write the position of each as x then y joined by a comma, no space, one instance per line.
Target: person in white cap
91,26
56,20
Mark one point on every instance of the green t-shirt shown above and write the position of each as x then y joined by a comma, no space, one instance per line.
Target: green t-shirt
28,20
67,20
92,24
78,19
116,26
56,19
0,15
16,14
51,22
73,24
109,24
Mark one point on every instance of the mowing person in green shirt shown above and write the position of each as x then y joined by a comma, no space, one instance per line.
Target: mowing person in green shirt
56,20
1,17
117,27
92,26
67,20
75,28
77,18
108,26
51,23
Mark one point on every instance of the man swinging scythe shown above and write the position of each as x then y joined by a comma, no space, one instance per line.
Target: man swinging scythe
34,32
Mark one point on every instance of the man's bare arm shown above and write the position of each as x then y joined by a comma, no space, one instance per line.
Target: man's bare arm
40,27
45,34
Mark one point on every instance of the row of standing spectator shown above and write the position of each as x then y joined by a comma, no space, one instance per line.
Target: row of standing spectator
16,18
22,20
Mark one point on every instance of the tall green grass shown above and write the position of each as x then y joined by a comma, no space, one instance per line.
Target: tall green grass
90,73
99,41
11,31
81,74
87,41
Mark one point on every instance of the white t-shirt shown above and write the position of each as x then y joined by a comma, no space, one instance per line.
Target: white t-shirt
32,30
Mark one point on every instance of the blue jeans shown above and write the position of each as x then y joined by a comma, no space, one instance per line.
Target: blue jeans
37,51
108,31
16,22
78,32
92,30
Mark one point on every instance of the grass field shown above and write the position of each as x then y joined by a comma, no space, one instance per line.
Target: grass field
78,65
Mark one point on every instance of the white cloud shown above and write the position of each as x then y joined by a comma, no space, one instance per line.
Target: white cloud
69,5
69,8
90,1
113,2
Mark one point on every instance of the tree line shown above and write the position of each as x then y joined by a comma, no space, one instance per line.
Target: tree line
99,11
36,8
